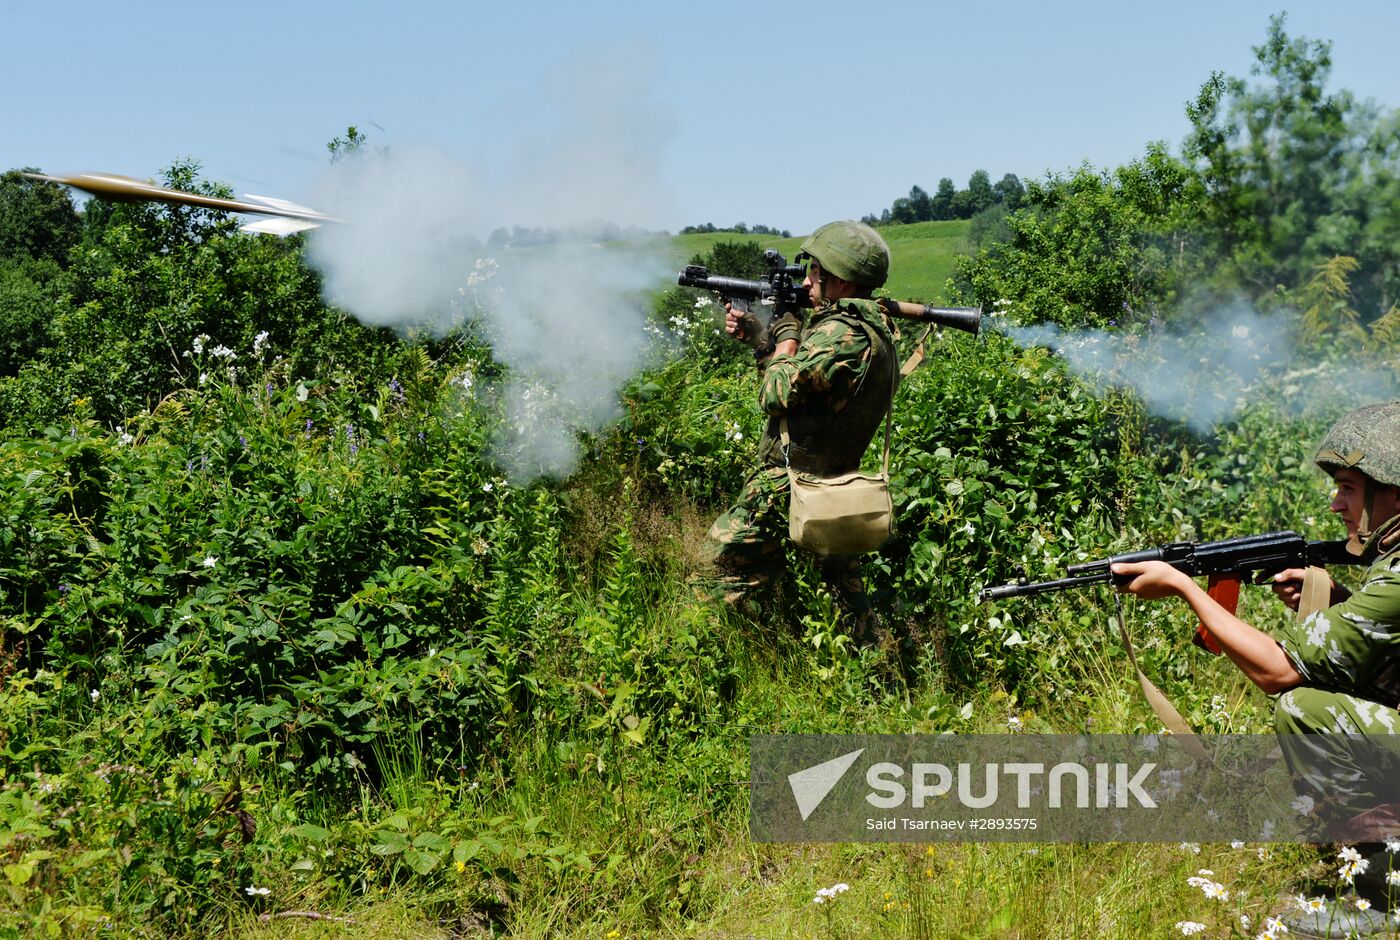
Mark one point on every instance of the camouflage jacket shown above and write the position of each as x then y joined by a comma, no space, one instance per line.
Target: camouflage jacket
834,390
1354,646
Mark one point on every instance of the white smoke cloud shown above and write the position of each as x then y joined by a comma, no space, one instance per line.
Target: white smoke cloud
565,317
1206,377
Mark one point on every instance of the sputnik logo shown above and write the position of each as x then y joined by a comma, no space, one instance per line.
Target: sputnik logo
810,786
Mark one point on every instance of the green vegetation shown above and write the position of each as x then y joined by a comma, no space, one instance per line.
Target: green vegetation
278,638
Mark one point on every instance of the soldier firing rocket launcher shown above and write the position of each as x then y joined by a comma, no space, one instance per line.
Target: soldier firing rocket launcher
781,290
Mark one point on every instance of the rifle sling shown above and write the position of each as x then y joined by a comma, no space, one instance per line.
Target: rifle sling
1166,712
1317,592
1171,718
916,357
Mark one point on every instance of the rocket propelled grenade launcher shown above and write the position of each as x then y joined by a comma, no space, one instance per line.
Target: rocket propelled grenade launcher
782,288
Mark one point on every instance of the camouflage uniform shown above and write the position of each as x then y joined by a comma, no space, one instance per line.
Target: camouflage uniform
834,391
1349,658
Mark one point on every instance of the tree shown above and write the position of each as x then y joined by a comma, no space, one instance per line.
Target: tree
37,218
743,259
943,199
920,204
979,192
1009,192
1293,175
1093,248
349,145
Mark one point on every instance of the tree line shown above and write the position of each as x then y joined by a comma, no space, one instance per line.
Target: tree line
949,202
738,228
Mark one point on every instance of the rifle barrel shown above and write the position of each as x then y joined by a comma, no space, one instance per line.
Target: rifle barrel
1041,587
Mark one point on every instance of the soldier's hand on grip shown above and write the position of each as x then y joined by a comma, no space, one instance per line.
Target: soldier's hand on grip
742,325
1287,586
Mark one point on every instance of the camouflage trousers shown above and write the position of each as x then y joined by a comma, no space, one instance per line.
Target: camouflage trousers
1344,753
746,550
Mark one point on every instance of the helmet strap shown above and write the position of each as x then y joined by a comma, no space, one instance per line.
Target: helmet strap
1358,543
1373,537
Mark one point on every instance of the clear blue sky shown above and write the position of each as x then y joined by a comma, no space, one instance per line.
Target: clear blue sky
783,114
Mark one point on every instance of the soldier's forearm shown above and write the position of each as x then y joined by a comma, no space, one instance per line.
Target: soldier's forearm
1253,651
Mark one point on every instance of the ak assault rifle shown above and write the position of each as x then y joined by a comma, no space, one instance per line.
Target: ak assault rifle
781,289
1226,563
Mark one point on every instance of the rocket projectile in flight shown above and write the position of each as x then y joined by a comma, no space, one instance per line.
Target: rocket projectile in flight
285,217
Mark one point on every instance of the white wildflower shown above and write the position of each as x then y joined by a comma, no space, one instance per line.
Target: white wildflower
1193,847
210,561
1348,854
830,894
1362,904
259,342
1211,889
1189,927
1392,877
1392,845
1304,805
1236,844
94,695
253,891
487,487
1014,723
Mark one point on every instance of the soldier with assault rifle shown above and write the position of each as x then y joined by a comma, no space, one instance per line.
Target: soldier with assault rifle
1336,670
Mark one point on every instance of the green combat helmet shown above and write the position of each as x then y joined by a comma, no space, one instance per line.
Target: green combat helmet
853,251
1366,440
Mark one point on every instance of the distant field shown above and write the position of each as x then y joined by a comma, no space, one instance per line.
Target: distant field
922,253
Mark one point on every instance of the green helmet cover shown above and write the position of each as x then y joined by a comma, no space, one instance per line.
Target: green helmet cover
853,251
1367,440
